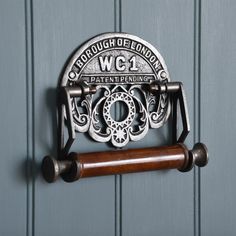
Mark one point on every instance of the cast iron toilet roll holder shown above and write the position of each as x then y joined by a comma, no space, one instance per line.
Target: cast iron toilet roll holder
122,70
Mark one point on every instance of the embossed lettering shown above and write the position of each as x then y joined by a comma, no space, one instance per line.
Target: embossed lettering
133,64
79,63
105,63
120,63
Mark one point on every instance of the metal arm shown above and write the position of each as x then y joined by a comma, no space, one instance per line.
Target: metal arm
64,107
176,91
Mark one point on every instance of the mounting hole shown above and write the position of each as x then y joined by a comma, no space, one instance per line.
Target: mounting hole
121,109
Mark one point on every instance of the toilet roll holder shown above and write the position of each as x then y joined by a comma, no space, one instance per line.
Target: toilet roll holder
119,71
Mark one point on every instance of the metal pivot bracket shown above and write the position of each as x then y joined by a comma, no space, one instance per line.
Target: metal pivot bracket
65,110
176,91
119,70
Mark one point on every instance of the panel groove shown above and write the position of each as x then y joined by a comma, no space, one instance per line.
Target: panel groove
118,178
30,116
218,127
13,119
161,203
117,15
87,206
197,110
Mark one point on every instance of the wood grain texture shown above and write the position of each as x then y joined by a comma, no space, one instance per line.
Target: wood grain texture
218,115
128,161
161,203
87,207
13,145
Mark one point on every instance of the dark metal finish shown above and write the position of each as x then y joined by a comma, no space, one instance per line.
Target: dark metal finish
112,68
65,110
125,66
118,67
200,154
170,87
124,161
51,168
197,156
178,97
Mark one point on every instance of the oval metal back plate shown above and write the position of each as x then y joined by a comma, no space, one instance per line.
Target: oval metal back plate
121,66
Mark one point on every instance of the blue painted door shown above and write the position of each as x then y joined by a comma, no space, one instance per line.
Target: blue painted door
197,40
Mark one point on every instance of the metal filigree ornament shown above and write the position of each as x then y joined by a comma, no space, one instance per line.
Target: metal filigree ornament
119,68
115,88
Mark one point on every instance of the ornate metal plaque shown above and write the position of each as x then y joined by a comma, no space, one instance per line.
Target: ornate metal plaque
120,67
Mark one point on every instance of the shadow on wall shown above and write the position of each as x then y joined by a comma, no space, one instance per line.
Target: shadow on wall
45,136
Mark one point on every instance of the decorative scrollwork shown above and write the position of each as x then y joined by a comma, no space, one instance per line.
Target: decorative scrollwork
121,66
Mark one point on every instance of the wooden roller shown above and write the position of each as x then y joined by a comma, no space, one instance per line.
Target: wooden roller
81,165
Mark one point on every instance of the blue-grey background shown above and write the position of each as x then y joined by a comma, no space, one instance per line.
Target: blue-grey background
197,39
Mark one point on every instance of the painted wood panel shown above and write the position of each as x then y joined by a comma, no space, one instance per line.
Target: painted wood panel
218,115
161,203
36,39
13,119
86,207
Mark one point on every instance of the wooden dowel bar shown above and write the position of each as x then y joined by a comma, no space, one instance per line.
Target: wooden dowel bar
83,165
128,161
